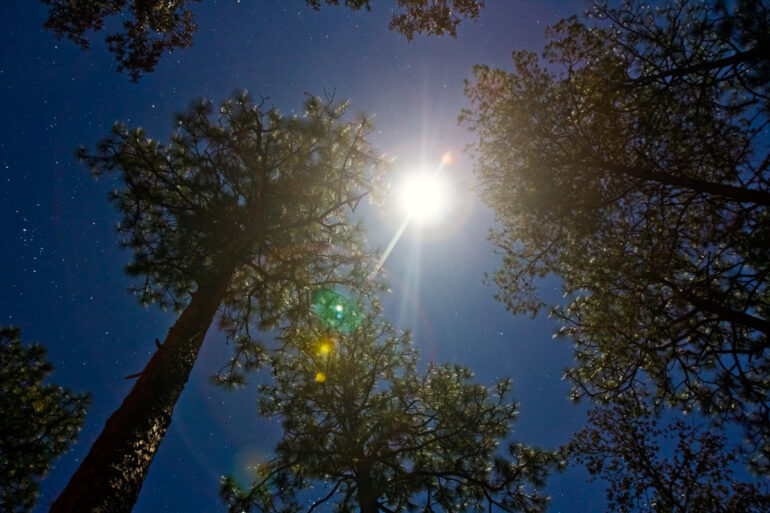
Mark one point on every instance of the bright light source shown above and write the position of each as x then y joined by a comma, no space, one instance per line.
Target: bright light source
423,196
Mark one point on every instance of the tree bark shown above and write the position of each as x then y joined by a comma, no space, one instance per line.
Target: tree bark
367,497
110,477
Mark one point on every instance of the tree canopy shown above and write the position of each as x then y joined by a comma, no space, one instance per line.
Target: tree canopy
38,421
245,213
267,194
152,27
632,161
652,466
366,431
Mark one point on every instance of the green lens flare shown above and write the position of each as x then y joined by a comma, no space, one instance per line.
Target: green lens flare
336,311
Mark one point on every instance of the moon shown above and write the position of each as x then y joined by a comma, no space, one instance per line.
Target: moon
423,197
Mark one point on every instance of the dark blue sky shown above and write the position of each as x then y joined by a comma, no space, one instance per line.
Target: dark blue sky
61,275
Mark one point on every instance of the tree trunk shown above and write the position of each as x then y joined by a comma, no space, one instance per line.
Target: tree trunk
110,477
371,506
367,497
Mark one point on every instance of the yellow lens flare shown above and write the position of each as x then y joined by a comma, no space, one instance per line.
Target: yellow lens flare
320,377
325,346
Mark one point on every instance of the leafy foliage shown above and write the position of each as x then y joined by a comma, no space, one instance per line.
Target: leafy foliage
38,421
436,17
249,189
362,425
623,445
433,17
154,27
633,163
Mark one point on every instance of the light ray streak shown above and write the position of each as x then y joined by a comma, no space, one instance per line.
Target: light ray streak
390,247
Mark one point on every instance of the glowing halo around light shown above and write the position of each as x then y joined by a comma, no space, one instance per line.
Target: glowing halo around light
423,197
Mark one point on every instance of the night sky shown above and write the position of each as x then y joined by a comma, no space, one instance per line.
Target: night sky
61,278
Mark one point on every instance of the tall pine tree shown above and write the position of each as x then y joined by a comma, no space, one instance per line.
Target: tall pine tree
244,212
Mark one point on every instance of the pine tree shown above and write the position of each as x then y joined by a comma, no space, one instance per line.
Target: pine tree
38,421
363,429
244,212
632,161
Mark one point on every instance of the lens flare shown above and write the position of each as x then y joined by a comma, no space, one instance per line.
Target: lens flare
336,311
